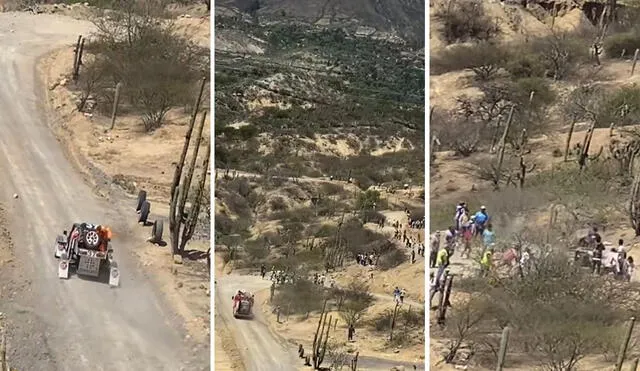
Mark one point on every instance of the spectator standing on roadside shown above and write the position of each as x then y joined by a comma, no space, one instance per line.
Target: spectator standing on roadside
488,236
597,254
435,247
481,219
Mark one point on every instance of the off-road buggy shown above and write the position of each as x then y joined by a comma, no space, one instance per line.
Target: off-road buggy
86,249
243,304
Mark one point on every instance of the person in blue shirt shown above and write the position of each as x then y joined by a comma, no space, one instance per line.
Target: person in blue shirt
488,236
481,219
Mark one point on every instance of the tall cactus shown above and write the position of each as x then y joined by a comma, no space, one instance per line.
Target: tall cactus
634,203
584,155
320,339
180,186
503,145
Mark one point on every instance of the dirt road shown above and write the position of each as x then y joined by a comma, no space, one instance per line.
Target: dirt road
74,324
258,346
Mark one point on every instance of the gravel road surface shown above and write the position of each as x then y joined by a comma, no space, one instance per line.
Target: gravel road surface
73,324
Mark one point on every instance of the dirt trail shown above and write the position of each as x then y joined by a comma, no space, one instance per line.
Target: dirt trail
260,349
75,324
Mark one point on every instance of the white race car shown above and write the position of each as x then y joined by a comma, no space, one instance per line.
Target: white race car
86,248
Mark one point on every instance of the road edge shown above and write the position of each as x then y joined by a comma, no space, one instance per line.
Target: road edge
55,122
234,350
100,182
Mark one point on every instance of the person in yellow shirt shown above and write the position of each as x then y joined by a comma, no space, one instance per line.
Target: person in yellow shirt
442,262
487,261
442,259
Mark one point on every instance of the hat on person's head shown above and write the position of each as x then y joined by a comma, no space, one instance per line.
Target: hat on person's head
483,207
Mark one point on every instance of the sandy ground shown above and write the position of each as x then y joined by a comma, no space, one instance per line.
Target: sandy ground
111,152
374,353
6,259
190,20
137,330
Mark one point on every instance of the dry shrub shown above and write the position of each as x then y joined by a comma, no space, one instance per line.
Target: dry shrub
561,53
484,59
392,259
558,314
465,20
626,42
159,69
301,297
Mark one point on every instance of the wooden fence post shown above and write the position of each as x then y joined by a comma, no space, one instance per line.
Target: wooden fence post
76,72
625,344
504,342
75,54
116,102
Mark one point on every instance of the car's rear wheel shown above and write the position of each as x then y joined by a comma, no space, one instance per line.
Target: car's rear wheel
91,239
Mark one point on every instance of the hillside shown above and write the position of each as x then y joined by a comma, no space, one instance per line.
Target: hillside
318,140
546,100
403,19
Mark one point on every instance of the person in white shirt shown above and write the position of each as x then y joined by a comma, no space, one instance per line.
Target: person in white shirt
629,269
525,259
622,250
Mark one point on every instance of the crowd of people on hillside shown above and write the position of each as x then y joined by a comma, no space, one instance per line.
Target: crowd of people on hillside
416,223
467,227
616,261
366,259
321,280
412,243
278,276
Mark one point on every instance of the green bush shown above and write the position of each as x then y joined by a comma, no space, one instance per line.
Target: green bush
621,107
560,54
484,59
523,64
392,259
159,68
466,20
542,93
615,44
301,297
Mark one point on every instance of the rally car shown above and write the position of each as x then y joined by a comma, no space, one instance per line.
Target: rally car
243,304
86,248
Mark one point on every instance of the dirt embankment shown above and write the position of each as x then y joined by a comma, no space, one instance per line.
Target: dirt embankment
6,246
6,260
